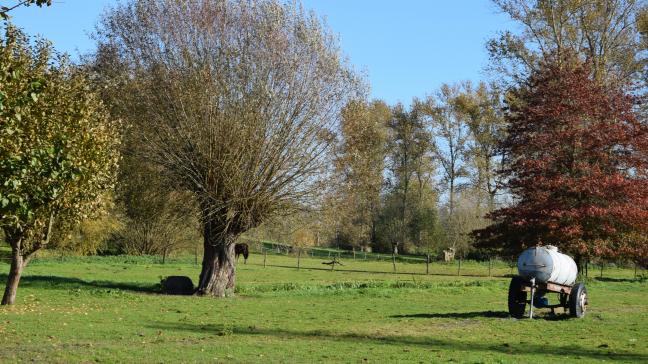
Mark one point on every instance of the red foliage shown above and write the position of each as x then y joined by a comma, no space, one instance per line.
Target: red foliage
578,169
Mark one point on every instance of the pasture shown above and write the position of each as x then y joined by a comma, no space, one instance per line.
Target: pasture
109,309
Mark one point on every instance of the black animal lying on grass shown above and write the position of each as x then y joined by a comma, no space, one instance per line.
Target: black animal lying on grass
178,285
241,248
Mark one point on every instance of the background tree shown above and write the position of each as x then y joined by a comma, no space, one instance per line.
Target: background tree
601,32
449,126
58,148
425,232
632,246
408,145
578,158
423,225
303,238
240,98
91,236
285,229
361,162
469,215
166,230
485,111
156,219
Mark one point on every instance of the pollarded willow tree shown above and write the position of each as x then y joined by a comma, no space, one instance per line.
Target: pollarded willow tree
58,148
236,99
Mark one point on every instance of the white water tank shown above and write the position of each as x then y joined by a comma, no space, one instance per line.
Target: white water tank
546,264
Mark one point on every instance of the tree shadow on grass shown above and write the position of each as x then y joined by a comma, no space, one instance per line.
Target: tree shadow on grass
458,315
426,342
56,282
538,315
620,280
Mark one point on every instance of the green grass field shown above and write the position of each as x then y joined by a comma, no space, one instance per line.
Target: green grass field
109,310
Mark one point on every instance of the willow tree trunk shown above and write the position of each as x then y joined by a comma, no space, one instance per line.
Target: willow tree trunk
15,272
218,274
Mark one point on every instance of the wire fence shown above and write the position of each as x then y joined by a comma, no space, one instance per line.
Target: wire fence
350,260
260,246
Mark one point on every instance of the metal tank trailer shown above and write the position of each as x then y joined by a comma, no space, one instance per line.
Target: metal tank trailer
542,270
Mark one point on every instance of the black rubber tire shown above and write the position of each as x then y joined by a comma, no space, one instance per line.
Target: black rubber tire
517,299
578,300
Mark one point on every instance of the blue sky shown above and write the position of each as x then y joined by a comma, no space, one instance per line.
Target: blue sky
407,48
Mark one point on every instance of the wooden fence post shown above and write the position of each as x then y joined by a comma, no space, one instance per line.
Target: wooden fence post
298,257
489,266
265,254
353,253
394,261
427,264
459,268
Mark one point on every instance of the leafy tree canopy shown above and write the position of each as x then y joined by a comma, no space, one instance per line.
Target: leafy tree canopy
578,167
57,146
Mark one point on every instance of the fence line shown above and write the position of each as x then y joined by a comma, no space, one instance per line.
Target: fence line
456,267
323,252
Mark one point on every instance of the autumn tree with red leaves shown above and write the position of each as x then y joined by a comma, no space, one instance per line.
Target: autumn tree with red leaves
577,169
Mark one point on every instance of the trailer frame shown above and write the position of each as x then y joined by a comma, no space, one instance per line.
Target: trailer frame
571,298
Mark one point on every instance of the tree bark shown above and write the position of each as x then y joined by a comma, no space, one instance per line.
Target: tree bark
15,272
218,274
20,257
579,264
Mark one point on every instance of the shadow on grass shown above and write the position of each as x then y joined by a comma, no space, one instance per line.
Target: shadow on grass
458,315
425,342
619,280
56,282
538,315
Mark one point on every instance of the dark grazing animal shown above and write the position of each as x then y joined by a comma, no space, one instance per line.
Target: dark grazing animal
179,285
241,248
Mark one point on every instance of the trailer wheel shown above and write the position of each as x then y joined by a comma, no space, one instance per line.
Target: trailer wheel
517,298
578,300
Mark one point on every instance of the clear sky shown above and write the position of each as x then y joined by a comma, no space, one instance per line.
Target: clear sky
407,48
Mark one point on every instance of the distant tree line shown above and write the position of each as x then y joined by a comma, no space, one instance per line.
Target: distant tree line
418,178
